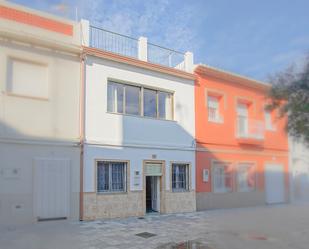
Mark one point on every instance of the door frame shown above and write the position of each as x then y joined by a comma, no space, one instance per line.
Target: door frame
162,185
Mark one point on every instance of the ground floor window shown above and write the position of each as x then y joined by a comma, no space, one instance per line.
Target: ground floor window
222,177
111,176
246,177
180,177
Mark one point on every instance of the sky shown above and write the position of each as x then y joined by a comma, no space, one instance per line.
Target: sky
255,38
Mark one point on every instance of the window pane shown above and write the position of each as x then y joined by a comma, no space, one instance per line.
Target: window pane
132,100
115,97
223,177
179,177
103,177
117,176
150,103
246,177
165,105
213,102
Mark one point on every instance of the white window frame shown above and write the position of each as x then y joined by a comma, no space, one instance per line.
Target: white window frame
141,100
222,165
213,102
176,188
246,165
110,188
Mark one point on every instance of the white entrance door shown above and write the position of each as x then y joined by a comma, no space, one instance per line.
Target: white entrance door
51,188
274,183
155,193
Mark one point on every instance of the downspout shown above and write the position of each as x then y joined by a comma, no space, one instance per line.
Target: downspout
82,134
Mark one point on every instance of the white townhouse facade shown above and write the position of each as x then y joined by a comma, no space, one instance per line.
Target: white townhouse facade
138,147
299,170
39,116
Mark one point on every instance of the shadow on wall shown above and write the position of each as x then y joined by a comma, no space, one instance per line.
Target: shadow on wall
235,187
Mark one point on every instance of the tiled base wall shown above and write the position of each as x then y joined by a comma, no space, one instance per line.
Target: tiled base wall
180,202
98,206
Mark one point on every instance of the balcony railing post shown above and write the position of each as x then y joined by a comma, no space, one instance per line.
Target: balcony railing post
142,48
189,63
85,32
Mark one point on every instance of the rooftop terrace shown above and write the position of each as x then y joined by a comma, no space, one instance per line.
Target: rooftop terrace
140,49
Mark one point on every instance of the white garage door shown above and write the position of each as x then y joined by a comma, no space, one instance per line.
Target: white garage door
274,183
51,188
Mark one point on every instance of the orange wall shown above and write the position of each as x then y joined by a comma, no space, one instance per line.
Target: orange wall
224,134
203,161
35,20
219,139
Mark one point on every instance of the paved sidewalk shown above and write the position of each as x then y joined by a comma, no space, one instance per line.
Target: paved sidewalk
284,227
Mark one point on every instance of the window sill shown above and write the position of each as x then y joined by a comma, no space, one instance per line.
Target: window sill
180,191
139,116
215,121
271,129
10,94
112,193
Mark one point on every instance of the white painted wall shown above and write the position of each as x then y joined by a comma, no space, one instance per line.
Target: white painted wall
17,179
299,170
136,157
133,138
54,117
107,128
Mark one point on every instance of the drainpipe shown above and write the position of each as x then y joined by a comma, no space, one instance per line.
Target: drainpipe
84,29
82,134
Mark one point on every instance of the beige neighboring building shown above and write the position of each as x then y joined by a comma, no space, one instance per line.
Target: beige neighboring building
39,116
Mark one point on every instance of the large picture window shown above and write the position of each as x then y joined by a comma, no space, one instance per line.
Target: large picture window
246,177
111,176
129,99
180,177
222,177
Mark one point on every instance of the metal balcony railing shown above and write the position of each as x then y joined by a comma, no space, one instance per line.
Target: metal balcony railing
247,128
128,46
113,42
166,57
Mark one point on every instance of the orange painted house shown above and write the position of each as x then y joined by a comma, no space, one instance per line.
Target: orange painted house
242,150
